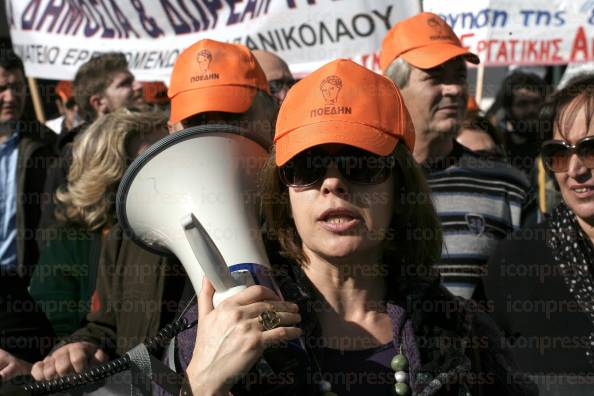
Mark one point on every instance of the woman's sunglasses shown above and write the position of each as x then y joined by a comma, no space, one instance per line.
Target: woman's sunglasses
355,165
557,153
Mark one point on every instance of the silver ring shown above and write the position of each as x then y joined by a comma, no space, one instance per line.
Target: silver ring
269,320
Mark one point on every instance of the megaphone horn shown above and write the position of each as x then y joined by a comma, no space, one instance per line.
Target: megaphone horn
191,194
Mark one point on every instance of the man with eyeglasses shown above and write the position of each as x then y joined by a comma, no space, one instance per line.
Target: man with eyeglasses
277,72
479,200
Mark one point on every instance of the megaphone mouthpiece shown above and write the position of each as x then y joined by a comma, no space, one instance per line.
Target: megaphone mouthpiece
210,259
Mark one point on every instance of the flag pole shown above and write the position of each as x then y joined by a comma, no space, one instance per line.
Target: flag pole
480,78
34,89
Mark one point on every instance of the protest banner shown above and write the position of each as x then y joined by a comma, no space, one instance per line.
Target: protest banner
527,32
55,37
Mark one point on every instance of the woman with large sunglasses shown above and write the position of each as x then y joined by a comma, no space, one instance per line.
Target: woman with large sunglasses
541,282
353,234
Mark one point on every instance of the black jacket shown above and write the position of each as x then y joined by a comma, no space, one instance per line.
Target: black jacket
461,349
25,332
530,301
36,155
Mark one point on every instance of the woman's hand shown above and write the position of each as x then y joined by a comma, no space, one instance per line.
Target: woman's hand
231,339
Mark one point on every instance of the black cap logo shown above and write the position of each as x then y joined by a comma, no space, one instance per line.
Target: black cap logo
437,24
203,58
330,87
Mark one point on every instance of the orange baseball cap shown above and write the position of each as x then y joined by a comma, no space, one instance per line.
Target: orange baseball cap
154,92
425,41
214,76
342,102
64,90
471,104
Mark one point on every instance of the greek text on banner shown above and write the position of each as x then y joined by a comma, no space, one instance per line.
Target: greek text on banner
55,37
527,32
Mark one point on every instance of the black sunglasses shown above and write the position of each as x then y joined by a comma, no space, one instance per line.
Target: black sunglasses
355,165
557,153
277,85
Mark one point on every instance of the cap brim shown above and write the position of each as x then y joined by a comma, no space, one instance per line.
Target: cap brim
433,55
226,98
354,134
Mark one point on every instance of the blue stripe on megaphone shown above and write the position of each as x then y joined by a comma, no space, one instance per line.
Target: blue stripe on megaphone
261,274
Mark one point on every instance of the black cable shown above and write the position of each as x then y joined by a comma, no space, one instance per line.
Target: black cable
105,370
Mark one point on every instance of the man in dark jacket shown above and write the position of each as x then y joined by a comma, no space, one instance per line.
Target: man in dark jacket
26,149
26,152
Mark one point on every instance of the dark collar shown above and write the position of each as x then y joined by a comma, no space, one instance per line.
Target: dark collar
66,137
35,131
453,158
436,315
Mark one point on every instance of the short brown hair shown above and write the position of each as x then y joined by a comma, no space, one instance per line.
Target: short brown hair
413,242
561,108
94,77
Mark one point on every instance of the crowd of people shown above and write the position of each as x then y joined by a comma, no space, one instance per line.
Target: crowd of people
421,246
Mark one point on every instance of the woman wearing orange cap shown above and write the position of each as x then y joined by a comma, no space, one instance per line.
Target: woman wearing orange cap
348,210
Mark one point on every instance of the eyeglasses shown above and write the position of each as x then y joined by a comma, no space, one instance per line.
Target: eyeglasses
282,83
557,153
355,165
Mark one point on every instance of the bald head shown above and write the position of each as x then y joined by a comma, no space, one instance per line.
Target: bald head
277,73
274,67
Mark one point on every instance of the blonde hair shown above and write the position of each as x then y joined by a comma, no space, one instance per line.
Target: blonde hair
99,160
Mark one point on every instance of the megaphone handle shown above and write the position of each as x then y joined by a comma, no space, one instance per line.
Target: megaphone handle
207,255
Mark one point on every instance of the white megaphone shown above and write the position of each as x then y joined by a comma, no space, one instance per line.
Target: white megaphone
193,194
